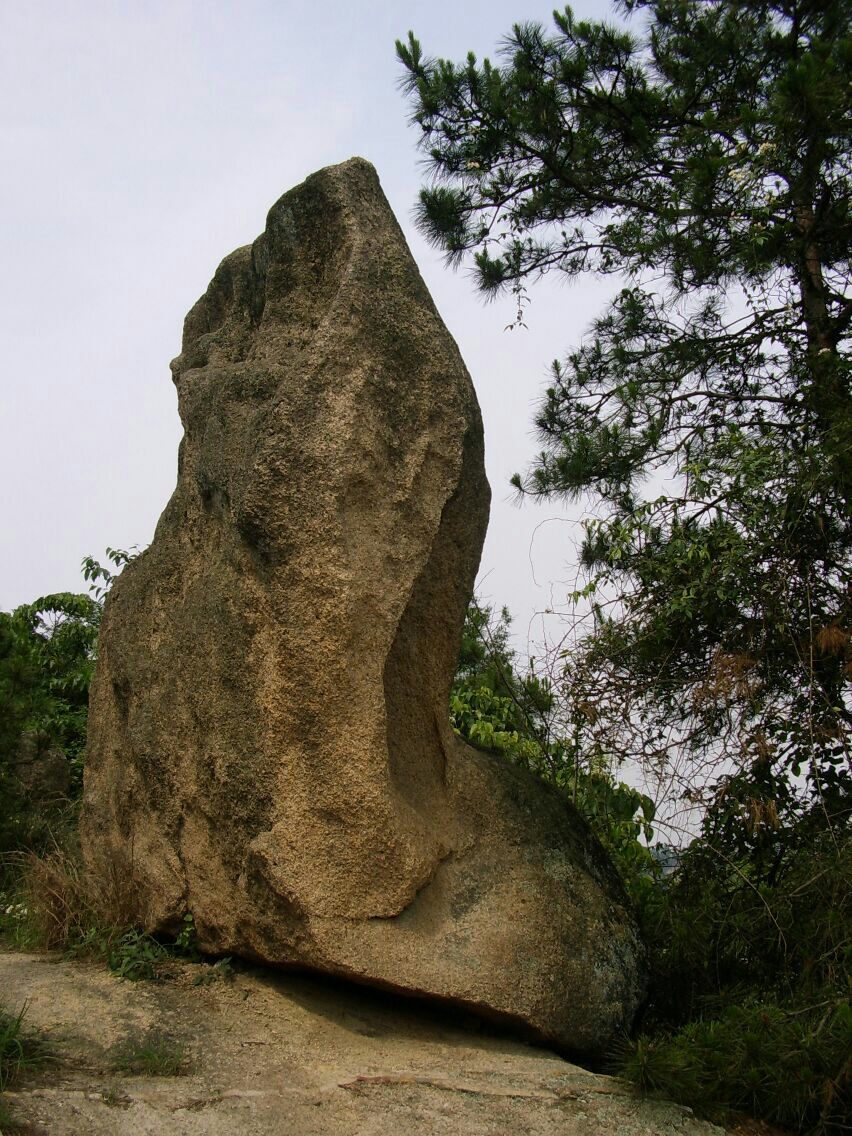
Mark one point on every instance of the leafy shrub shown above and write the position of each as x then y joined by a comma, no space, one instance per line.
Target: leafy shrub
136,955
48,650
748,939
718,926
46,660
486,720
62,905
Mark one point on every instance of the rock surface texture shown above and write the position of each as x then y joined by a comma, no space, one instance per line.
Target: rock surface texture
269,745
287,1055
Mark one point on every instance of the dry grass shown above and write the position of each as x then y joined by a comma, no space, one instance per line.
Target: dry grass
65,899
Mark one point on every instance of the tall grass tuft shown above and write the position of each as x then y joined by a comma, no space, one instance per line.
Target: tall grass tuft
18,1049
67,905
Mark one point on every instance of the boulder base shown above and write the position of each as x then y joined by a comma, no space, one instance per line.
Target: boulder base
269,744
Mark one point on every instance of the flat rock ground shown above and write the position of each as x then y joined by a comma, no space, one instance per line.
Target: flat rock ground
269,1052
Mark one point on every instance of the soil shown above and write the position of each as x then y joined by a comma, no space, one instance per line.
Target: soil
268,1052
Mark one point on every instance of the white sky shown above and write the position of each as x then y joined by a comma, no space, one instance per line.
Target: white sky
139,144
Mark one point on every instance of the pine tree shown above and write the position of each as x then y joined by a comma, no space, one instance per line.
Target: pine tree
701,159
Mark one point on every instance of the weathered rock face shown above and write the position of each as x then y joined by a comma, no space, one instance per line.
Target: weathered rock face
269,745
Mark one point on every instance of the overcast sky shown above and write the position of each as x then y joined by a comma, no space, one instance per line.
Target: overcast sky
140,143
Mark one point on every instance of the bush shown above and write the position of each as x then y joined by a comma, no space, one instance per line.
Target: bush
749,1001
785,1063
136,955
47,651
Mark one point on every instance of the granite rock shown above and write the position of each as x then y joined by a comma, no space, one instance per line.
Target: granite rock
269,740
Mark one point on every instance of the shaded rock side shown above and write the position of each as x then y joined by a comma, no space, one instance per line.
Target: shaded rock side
269,745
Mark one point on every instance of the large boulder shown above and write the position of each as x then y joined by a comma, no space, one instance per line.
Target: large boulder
269,740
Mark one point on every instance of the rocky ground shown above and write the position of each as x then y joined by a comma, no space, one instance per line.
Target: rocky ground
267,1052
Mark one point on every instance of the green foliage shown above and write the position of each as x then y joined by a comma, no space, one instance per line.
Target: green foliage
724,925
496,708
136,956
47,657
622,817
55,903
705,157
154,1054
702,155
786,1063
750,949
185,941
46,660
82,931
485,719
100,577
492,705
